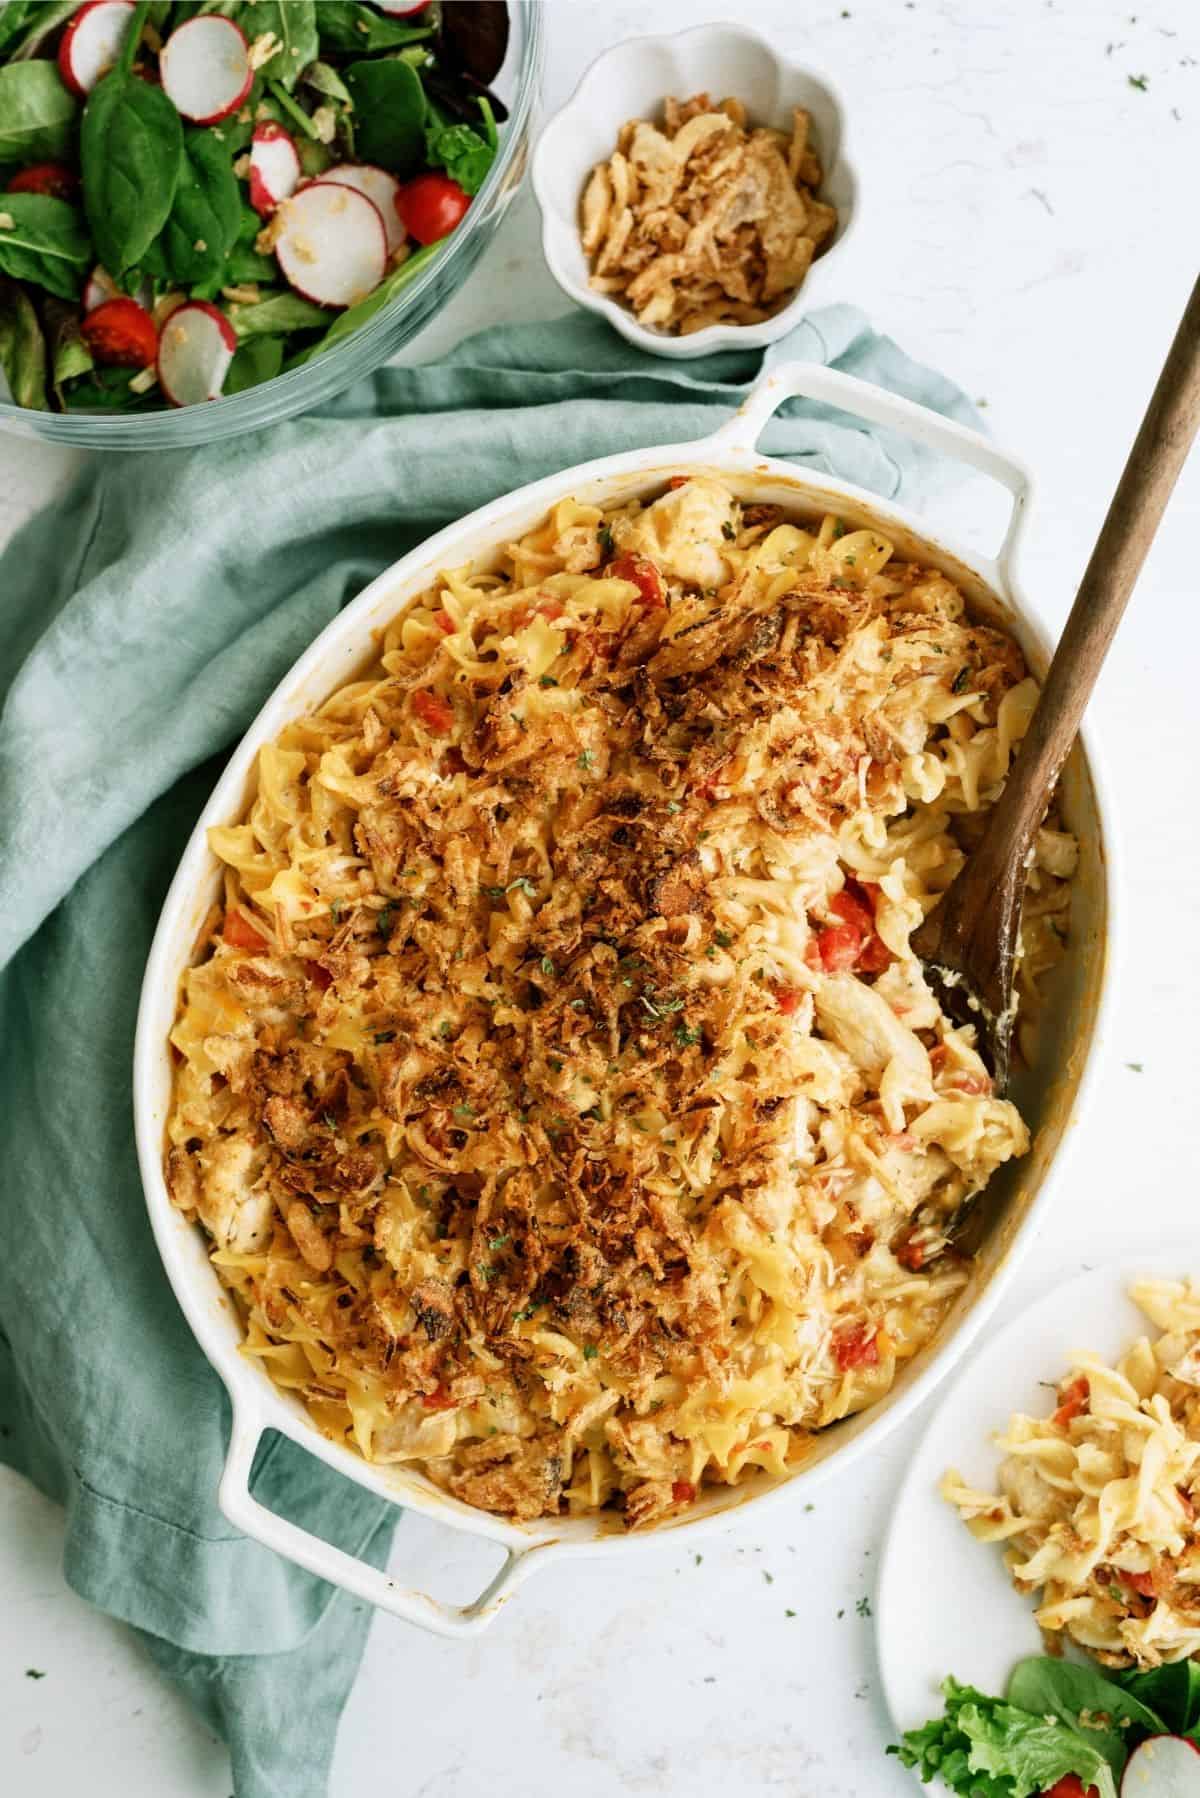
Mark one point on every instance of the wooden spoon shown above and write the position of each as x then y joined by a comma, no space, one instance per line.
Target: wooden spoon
968,942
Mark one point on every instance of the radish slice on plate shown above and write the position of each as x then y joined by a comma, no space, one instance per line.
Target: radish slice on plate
274,167
1162,1767
401,9
380,188
194,353
92,43
205,68
331,243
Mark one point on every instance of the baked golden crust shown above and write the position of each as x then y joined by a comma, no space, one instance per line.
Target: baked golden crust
559,1091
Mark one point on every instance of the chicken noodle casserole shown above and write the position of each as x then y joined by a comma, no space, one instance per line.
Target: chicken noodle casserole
705,222
1097,1503
566,1109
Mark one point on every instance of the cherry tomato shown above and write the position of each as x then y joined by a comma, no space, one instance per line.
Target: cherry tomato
121,333
1070,1786
683,1492
240,933
644,575
53,178
856,1347
430,206
435,713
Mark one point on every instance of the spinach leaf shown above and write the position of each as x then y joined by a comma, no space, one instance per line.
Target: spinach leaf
37,114
282,312
206,212
985,1748
325,78
1054,1688
246,264
22,348
131,149
389,113
257,360
291,110
463,152
345,26
294,23
43,240
68,354
13,19
40,20
1172,1691
107,390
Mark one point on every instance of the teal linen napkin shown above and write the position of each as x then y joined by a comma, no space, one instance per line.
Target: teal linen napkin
143,621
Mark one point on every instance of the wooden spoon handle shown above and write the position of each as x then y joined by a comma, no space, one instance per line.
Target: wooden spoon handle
1159,452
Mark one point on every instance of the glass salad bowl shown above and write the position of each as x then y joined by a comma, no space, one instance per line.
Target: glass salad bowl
363,350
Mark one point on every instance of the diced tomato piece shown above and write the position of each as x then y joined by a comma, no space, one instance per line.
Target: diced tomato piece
549,608
787,998
239,933
839,947
444,622
1072,1401
320,977
875,956
120,333
53,178
910,1253
937,1056
683,1492
438,1400
1141,1583
1071,1786
847,906
644,575
856,1347
678,480
435,713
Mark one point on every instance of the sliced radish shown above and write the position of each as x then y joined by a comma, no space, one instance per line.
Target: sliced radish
194,353
92,43
205,68
331,243
274,167
380,188
100,287
1162,1767
401,9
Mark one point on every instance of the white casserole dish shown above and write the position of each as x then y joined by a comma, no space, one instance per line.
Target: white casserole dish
1050,1097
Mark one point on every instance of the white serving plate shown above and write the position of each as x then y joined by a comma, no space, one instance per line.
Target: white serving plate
1050,1098
631,81
944,1602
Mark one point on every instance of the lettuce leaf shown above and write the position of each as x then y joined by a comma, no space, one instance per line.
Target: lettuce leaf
987,1748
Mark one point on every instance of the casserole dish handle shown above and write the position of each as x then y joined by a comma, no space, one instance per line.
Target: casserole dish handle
811,381
372,1584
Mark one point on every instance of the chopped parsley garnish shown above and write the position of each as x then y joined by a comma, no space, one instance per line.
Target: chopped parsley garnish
585,758
686,1035
336,907
35,1673
605,538
547,680
445,1030
385,1036
958,684
554,1064
863,1606
464,1113
724,938
589,1352
547,966
498,1242
329,1121
728,532
522,884
383,922
1141,82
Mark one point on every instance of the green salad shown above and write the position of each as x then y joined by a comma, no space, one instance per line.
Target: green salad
1067,1730
198,195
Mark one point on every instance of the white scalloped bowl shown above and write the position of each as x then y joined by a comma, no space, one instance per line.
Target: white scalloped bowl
631,81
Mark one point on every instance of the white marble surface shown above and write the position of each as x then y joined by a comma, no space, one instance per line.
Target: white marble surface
1031,229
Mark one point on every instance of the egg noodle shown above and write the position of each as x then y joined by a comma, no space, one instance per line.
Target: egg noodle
565,1107
1098,1502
